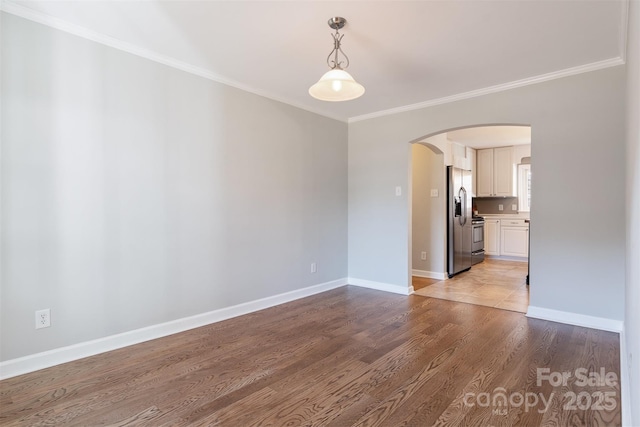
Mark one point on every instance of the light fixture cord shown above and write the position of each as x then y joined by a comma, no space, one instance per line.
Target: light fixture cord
337,38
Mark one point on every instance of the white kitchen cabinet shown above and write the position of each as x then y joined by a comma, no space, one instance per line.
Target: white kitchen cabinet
492,237
503,172
495,172
514,238
484,173
471,155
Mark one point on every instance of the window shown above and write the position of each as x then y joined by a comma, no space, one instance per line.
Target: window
524,188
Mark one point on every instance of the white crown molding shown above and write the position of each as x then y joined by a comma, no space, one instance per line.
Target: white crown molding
576,319
35,362
380,286
30,14
493,89
594,66
77,30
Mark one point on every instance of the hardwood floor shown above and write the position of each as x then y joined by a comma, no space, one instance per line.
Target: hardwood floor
350,356
422,282
492,283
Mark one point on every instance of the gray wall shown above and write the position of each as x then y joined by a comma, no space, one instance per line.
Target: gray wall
632,313
135,194
578,152
428,213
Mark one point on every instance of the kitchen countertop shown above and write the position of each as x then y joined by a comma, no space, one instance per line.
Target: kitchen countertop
505,216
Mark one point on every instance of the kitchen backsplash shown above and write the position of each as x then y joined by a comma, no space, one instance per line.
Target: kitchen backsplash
489,205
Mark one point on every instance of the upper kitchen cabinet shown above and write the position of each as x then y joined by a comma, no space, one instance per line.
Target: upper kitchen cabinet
503,172
484,172
471,155
495,172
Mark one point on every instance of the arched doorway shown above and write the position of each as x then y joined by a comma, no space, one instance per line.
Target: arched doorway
459,148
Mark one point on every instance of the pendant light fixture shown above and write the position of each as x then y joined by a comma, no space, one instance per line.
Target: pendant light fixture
336,84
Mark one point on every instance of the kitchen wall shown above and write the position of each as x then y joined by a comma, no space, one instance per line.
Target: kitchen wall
490,205
632,294
428,213
134,194
570,118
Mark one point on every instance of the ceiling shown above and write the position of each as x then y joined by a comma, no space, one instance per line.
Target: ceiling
491,136
403,52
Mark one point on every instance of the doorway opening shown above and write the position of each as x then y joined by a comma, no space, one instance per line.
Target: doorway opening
499,160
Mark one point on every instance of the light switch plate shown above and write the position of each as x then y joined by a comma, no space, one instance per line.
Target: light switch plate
398,191
434,192
500,207
514,207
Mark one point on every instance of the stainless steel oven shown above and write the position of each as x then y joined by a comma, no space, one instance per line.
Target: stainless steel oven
477,240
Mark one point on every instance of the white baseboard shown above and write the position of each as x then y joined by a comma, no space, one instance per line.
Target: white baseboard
625,378
429,274
507,258
379,286
34,362
576,319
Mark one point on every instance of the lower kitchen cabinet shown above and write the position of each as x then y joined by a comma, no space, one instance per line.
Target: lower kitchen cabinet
514,241
506,237
492,237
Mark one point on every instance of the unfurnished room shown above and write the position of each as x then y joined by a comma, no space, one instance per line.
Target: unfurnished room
320,213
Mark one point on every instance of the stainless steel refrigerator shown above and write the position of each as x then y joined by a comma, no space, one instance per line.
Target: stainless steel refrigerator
459,213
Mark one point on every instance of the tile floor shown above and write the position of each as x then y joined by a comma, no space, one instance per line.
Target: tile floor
492,283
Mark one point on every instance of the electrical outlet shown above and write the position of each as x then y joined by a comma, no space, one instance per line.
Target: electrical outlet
434,192
398,191
514,207
43,318
314,267
500,207
423,256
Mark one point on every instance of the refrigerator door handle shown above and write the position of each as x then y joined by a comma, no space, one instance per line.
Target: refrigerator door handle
462,194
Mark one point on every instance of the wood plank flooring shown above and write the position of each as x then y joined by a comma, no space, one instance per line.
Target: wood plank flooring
422,282
347,357
492,283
